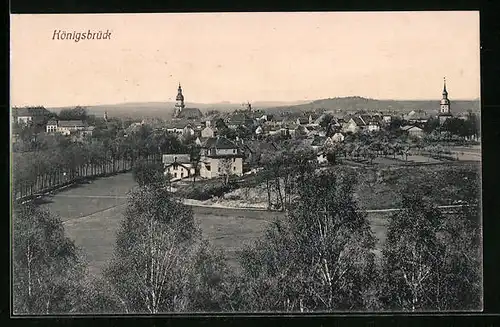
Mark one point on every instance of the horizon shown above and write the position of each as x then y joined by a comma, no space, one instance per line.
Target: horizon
255,57
232,103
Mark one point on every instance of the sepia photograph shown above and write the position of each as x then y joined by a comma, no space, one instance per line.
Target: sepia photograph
257,162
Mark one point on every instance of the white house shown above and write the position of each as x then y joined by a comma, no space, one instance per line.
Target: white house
67,127
51,126
207,132
354,125
259,130
373,126
321,157
338,137
220,156
179,166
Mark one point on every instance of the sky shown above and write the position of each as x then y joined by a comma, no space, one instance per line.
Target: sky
239,57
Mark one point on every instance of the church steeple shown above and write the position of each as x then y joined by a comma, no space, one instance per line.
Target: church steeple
444,110
179,101
445,93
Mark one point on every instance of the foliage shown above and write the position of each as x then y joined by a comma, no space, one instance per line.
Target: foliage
77,113
318,258
149,173
159,265
206,191
431,262
46,264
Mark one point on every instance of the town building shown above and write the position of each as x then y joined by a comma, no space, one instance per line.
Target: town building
181,112
67,127
31,115
338,137
444,110
354,125
207,132
219,157
414,131
178,166
321,157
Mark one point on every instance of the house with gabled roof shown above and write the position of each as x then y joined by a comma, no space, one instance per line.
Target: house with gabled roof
354,124
178,166
413,130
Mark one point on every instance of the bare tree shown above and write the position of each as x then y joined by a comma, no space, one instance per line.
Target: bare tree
225,169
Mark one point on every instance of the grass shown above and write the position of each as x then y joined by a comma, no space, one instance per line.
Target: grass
92,212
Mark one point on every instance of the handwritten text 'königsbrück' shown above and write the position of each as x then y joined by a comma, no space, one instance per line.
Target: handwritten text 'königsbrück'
77,36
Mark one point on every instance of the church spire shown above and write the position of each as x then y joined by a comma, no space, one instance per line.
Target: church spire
445,102
445,93
179,101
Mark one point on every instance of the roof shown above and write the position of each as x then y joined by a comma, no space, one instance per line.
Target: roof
318,141
177,124
30,111
408,127
190,113
303,120
219,143
358,121
71,123
179,158
365,118
52,122
419,114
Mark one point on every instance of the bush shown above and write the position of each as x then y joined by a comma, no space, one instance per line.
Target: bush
208,191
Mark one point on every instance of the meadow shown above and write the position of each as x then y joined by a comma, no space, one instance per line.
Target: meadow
91,214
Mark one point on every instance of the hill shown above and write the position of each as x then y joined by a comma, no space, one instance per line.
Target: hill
165,110
360,103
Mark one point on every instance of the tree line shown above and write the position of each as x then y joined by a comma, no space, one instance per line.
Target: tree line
321,256
46,161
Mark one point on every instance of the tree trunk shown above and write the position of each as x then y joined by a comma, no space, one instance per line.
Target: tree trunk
268,193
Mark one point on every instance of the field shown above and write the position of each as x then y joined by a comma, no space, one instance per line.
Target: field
92,213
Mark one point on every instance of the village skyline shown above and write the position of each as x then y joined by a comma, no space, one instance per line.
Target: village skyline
240,57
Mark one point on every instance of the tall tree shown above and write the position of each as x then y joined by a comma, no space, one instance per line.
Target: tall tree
46,265
318,258
159,264
431,260
77,113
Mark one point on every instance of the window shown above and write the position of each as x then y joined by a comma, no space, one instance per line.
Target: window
234,159
182,174
219,169
175,174
234,168
234,150
207,167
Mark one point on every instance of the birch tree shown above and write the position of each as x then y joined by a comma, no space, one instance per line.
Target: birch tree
158,257
431,261
455,270
318,258
46,264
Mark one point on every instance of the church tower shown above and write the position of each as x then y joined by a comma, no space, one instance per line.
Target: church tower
444,110
179,102
445,102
